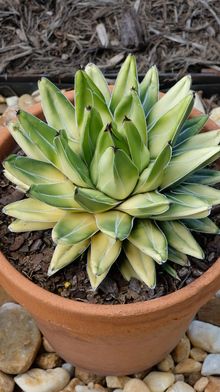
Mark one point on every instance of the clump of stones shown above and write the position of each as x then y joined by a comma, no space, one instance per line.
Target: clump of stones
28,361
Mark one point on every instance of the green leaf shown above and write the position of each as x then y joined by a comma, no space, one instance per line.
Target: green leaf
177,257
33,210
90,131
145,204
65,254
99,80
165,129
191,127
127,270
180,238
29,148
149,89
93,200
138,151
170,271
204,225
116,224
104,251
151,178
71,163
184,206
126,80
205,176
117,175
21,226
31,171
59,195
186,163
174,95
87,94
95,280
203,192
130,108
58,111
202,140
105,140
150,240
143,265
40,134
74,228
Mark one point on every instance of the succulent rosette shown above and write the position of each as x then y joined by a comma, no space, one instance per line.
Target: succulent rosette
118,174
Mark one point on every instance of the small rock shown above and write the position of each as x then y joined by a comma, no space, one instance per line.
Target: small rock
2,99
6,383
12,101
189,365
159,381
18,346
180,386
87,377
205,336
211,365
47,346
99,388
192,378
25,101
116,382
71,386
167,364
69,368
201,384
179,377
182,350
39,380
141,375
48,361
135,385
198,354
213,385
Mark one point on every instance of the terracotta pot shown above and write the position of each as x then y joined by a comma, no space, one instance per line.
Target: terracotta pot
109,339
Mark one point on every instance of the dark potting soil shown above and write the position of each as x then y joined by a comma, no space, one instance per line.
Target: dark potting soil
30,253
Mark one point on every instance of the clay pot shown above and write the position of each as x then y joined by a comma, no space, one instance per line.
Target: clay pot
109,339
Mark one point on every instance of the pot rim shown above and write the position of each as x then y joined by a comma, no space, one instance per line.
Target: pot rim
61,304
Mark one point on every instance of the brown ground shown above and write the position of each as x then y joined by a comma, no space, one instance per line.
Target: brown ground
56,37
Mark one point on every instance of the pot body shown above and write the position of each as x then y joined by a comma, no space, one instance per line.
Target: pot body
109,339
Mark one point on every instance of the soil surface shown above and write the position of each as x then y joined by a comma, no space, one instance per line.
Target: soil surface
30,253
56,37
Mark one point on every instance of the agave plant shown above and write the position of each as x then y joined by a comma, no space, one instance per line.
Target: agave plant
119,173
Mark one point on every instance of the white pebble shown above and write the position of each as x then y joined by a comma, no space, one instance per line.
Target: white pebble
180,386
205,336
39,380
159,381
136,385
211,365
12,101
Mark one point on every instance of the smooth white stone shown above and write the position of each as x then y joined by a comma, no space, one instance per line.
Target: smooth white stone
39,380
180,386
159,381
211,365
205,336
135,385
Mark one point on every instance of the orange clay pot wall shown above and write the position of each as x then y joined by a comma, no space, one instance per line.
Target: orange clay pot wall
109,339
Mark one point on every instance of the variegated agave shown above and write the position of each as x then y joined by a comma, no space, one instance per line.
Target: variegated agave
119,174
